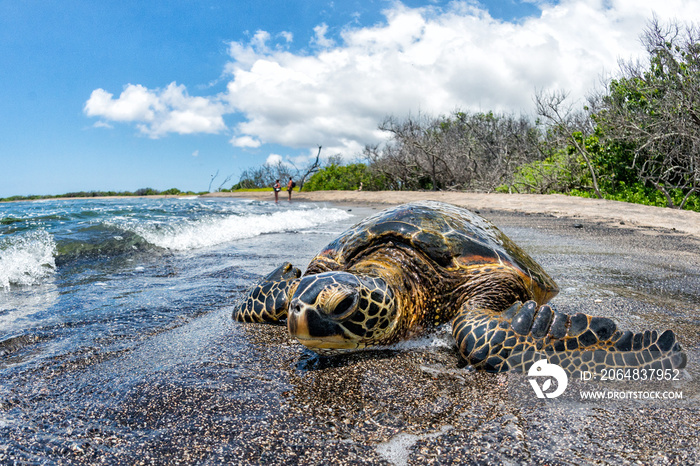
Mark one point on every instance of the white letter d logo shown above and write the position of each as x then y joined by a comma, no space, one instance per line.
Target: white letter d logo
544,369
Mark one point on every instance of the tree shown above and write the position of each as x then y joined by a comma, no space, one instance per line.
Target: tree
652,112
335,176
421,153
311,169
457,152
568,128
266,174
492,146
212,180
226,180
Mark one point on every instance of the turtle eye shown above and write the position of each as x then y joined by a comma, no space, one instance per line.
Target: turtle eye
345,304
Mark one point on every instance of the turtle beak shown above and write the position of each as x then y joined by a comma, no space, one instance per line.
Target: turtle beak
315,330
296,319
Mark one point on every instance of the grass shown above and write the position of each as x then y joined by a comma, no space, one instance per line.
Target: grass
247,190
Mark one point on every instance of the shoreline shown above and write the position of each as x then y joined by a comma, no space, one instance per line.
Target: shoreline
614,213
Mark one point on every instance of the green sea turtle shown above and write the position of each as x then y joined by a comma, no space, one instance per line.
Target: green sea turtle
416,266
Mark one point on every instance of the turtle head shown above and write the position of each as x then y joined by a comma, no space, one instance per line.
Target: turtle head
335,312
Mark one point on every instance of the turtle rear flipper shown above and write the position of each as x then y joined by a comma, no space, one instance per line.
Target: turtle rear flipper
268,300
524,334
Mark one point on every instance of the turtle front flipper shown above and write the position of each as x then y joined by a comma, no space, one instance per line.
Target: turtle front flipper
524,334
268,300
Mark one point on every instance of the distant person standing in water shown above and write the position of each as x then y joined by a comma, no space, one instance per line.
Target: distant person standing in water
290,186
277,189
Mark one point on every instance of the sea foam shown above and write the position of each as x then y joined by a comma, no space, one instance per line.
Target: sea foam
26,259
214,230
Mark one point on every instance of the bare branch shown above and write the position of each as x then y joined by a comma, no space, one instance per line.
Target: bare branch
212,180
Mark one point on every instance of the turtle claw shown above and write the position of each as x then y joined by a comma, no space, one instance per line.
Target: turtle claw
268,300
525,333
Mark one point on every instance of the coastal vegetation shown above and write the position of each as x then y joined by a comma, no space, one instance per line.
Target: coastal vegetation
636,140
82,194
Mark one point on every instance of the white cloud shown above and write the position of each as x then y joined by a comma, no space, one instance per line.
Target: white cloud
320,38
427,59
195,153
431,60
287,36
158,112
273,159
245,141
102,124
136,103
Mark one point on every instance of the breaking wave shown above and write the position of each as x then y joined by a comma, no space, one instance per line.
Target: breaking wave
37,240
211,231
26,259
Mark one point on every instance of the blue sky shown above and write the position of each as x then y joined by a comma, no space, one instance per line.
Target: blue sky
123,95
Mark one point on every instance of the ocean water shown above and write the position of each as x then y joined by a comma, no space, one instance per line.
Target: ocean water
97,296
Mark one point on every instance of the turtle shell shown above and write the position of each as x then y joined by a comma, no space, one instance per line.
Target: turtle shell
449,236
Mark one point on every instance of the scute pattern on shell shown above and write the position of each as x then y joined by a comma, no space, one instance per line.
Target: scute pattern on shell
447,235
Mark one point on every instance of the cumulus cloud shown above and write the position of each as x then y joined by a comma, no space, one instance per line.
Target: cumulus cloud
158,112
245,141
274,159
320,38
431,60
136,103
335,91
287,36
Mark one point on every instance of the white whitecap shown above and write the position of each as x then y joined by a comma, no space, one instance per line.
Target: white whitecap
214,230
26,259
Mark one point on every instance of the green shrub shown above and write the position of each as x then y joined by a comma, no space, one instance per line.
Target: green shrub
344,177
640,194
557,173
171,191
